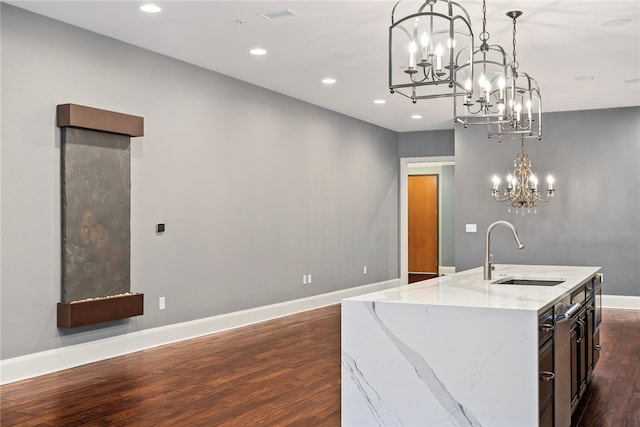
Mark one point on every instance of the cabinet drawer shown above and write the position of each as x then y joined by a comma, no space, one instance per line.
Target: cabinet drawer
579,295
546,415
596,347
546,373
545,327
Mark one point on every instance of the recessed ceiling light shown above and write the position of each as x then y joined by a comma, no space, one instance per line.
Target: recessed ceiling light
618,22
379,101
328,81
258,51
277,14
416,116
150,8
583,78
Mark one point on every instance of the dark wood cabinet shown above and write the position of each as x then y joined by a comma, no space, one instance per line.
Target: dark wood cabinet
585,337
571,333
546,369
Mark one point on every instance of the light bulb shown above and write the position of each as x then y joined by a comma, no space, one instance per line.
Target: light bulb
482,80
424,39
412,53
496,182
413,47
424,42
550,182
439,51
518,109
467,85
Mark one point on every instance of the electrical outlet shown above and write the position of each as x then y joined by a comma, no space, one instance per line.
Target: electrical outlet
161,303
309,279
364,270
304,279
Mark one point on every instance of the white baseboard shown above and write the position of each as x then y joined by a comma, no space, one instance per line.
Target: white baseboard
620,301
446,271
46,362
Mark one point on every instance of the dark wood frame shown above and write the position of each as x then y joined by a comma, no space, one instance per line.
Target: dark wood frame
83,313
89,312
80,116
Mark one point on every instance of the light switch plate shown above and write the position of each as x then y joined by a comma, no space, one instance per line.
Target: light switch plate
471,228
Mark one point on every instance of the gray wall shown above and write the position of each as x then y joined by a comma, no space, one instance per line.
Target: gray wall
426,144
256,189
447,213
593,219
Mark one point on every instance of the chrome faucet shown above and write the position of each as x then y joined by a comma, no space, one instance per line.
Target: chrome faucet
488,257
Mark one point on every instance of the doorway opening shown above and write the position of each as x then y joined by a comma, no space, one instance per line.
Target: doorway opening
442,168
423,227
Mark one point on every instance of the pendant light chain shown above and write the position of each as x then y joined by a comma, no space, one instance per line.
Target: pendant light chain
515,61
484,35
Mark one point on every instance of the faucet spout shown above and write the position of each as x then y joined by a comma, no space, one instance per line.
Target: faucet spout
488,258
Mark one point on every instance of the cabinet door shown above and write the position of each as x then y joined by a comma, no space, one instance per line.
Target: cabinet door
597,300
596,347
546,378
575,381
589,337
583,344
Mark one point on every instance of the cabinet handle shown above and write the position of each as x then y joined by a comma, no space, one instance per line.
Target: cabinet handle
597,347
547,376
546,328
581,328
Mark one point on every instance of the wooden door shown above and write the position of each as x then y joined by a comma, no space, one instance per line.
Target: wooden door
423,227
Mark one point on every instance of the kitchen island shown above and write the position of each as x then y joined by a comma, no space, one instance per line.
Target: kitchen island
457,350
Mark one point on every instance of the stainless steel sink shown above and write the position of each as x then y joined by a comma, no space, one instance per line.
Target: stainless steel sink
530,281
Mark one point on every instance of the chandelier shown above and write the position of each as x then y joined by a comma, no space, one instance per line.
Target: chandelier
484,100
423,47
521,189
523,107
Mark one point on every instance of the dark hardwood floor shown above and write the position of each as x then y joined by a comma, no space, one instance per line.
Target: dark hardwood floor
284,372
613,398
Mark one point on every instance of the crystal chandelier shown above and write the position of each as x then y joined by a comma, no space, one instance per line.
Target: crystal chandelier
521,189
523,108
484,100
423,47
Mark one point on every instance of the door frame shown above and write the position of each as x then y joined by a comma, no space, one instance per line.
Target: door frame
404,206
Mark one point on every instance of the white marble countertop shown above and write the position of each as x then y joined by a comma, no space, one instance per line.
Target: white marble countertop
468,289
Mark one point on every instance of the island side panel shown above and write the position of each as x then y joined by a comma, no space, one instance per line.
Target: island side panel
416,364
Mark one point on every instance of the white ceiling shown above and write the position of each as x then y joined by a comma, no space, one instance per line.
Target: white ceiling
557,41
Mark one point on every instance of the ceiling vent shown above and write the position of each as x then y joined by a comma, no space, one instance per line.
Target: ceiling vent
278,14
